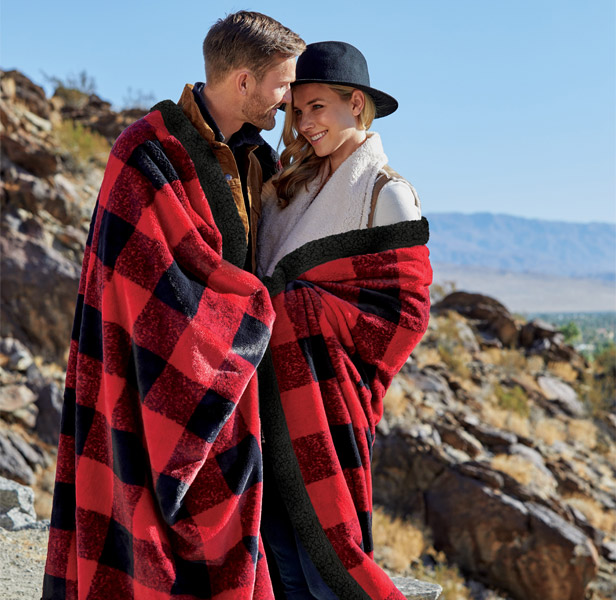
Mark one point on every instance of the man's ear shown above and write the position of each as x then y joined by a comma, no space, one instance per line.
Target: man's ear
244,80
358,100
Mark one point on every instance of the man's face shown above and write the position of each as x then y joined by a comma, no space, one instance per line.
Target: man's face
269,94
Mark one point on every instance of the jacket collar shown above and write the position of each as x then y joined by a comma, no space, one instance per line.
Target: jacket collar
248,134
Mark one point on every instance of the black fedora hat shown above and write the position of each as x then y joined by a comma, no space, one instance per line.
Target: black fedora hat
341,64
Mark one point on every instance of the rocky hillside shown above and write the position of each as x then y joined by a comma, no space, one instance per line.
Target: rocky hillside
495,463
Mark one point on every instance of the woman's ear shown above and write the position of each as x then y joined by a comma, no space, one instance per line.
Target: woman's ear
358,100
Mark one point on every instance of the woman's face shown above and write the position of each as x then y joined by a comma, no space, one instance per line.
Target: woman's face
327,121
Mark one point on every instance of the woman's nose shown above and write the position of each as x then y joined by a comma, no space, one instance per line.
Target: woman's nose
304,123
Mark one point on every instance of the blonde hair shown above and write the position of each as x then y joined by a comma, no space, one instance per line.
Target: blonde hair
300,164
249,40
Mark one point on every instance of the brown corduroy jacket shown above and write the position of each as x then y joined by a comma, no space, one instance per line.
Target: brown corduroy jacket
254,177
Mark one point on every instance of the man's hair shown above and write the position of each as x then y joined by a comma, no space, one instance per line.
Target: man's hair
247,39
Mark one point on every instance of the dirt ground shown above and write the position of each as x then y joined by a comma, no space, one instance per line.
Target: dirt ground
22,560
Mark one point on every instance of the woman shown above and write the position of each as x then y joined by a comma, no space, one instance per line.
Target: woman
342,252
327,124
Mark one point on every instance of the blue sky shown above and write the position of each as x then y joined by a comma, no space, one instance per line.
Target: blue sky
506,106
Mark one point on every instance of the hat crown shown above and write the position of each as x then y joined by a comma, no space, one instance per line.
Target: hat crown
333,61
341,64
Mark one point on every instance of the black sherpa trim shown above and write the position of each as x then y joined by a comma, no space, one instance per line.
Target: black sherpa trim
278,451
212,180
344,245
278,448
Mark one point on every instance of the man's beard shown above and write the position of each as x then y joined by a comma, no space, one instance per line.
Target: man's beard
259,113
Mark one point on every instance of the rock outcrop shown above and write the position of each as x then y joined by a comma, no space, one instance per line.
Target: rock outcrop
492,451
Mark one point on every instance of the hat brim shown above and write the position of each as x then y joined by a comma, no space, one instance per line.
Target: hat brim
384,103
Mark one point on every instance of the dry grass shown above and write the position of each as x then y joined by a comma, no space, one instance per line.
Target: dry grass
524,472
84,145
597,516
506,420
583,431
399,546
456,358
551,431
564,370
395,401
535,364
515,466
512,399
527,382
448,577
404,543
425,356
512,360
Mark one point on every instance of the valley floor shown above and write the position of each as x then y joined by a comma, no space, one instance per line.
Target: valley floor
529,292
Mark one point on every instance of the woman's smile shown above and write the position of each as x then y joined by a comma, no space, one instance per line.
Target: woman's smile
315,138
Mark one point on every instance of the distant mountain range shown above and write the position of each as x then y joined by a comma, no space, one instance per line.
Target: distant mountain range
520,245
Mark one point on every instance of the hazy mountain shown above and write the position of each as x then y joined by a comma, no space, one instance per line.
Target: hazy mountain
520,245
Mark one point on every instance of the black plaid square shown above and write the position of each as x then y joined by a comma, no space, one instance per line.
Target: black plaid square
316,353
113,236
180,290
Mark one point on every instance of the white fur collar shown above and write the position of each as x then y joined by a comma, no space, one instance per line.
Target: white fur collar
343,204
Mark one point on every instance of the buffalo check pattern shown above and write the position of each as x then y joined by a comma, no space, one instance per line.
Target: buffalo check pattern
349,311
159,477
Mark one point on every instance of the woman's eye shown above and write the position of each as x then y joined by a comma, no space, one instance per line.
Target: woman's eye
317,106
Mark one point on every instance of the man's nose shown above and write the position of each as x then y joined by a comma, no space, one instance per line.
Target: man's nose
287,97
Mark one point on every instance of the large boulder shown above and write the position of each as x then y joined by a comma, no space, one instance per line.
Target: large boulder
38,294
497,530
522,547
13,465
16,505
491,317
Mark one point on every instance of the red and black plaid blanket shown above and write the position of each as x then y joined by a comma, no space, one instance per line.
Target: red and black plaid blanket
349,310
159,478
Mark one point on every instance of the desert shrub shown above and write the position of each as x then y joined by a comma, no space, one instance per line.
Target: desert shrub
513,361
74,90
446,575
513,399
438,291
583,431
550,431
571,332
523,471
405,543
401,546
505,419
563,370
535,364
84,145
514,466
395,401
598,388
597,515
138,99
456,359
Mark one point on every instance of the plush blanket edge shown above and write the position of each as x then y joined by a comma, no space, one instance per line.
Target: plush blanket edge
344,245
212,180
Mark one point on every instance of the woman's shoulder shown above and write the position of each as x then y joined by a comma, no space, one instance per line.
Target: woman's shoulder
397,201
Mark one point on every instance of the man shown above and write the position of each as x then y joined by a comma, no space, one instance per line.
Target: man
159,479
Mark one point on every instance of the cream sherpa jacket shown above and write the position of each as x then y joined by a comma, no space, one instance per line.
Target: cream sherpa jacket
343,204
